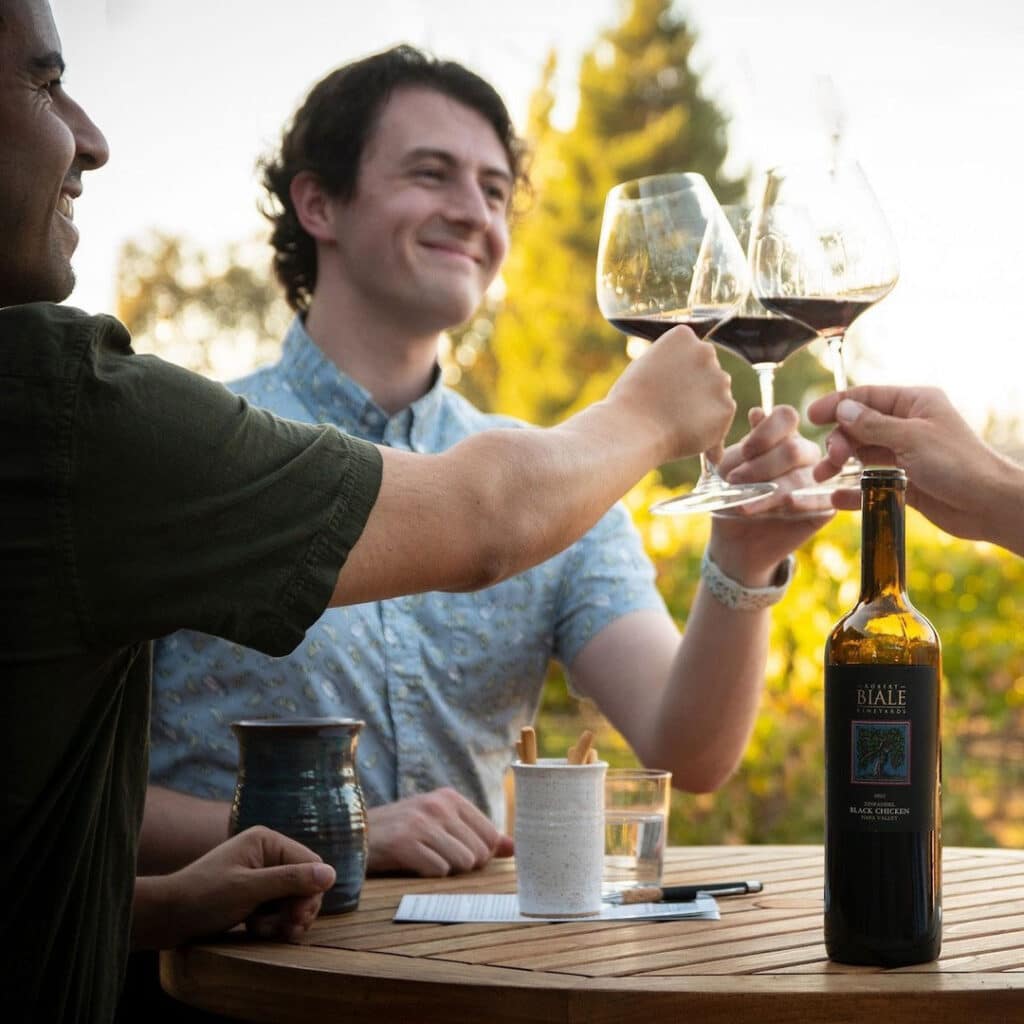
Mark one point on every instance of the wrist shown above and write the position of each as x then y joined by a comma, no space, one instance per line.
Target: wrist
738,563
739,595
154,912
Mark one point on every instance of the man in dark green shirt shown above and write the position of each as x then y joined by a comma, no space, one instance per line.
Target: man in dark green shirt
137,499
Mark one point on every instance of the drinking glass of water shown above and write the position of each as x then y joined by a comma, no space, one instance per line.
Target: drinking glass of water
636,803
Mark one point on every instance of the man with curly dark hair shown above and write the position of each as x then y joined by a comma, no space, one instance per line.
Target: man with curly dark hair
329,133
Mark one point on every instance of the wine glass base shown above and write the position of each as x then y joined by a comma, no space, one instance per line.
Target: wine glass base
823,512
784,504
709,498
848,479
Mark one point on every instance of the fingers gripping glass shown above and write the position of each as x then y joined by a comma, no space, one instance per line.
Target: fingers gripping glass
668,256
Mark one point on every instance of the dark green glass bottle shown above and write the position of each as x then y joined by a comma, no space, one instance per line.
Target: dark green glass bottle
883,769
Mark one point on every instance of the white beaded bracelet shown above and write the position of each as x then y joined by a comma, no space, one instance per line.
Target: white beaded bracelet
727,591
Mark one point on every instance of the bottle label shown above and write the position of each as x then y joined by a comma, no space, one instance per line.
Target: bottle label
881,747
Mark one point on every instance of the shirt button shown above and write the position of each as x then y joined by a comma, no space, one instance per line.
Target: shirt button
403,692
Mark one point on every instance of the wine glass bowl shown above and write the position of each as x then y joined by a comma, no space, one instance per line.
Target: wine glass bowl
656,251
763,337
668,256
821,252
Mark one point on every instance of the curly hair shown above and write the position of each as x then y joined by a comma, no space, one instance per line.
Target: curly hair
330,130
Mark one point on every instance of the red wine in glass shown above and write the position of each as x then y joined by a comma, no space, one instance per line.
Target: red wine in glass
653,327
764,339
828,317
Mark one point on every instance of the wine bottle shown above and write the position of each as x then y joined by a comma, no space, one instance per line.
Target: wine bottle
883,768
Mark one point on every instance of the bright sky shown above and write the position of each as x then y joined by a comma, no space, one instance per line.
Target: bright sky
190,93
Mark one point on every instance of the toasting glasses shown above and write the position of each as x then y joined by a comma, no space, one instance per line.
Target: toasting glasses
668,256
822,253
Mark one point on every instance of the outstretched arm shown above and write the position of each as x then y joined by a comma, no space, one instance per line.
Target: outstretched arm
504,500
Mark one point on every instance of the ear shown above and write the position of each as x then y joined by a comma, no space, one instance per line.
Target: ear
314,207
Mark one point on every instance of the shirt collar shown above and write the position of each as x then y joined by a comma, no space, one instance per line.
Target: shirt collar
332,396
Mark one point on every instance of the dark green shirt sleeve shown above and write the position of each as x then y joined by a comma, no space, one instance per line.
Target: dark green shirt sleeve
191,508
176,504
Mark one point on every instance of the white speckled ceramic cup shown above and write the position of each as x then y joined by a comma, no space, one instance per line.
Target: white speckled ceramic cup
559,835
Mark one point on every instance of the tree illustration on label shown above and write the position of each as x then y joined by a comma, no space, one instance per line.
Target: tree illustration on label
881,752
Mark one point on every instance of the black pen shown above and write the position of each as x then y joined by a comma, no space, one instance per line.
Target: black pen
682,893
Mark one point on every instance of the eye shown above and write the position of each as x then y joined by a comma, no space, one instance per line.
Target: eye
429,173
497,195
51,85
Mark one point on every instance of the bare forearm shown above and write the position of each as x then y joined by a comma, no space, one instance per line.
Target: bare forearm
502,501
552,489
178,828
497,503
1005,525
682,703
703,721
155,910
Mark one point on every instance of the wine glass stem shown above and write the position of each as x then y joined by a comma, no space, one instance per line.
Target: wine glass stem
835,351
852,467
766,379
708,470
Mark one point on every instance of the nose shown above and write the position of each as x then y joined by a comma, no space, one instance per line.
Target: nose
91,149
468,205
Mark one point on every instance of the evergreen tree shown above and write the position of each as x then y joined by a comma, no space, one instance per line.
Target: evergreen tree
640,112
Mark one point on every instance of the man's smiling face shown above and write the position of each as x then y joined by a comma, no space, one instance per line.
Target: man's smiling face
427,228
48,141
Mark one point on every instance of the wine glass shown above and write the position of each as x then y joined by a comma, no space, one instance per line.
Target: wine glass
755,333
822,253
667,256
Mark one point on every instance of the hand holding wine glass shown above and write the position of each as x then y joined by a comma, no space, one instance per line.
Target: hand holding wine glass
667,257
679,384
822,253
755,538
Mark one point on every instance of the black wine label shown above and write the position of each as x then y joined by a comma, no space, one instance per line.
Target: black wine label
881,747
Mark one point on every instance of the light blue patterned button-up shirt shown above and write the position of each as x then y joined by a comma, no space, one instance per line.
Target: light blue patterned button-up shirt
443,681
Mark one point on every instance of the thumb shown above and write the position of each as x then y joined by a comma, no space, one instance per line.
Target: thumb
284,880
505,847
868,426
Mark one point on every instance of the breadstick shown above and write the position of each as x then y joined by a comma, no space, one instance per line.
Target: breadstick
528,738
578,753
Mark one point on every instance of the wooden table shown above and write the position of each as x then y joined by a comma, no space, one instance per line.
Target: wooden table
764,962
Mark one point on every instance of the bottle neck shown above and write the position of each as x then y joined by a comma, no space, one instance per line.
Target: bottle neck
883,558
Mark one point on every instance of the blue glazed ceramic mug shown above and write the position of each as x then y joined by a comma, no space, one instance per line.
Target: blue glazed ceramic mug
298,776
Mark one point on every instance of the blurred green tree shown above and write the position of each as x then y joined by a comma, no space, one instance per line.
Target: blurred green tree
641,111
218,313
